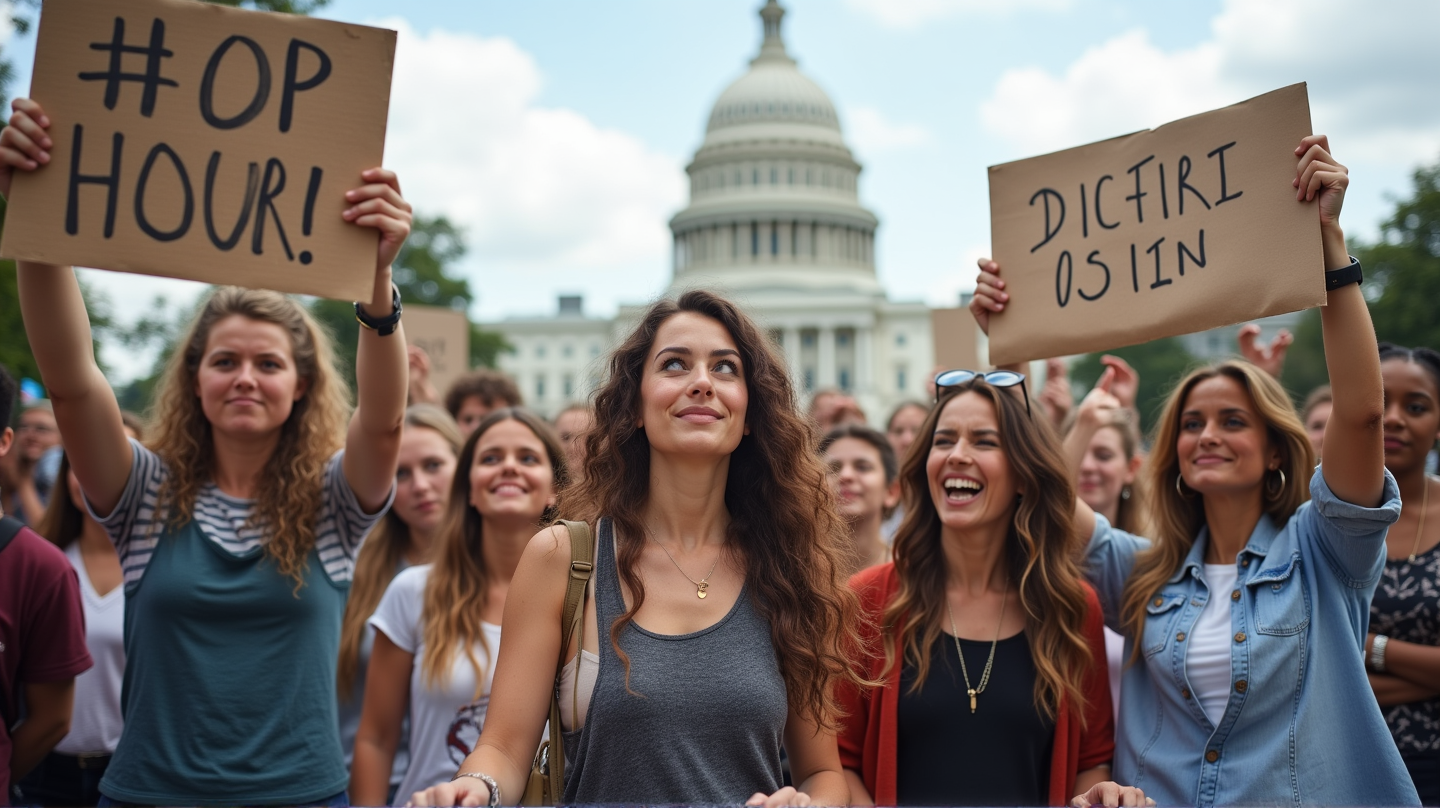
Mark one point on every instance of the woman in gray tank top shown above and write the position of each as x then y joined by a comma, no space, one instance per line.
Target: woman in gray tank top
720,616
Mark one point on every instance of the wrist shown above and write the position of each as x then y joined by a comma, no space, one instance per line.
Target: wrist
1332,239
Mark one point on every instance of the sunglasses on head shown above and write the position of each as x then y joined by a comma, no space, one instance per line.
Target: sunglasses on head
996,378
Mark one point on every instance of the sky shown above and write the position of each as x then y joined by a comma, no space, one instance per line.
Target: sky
556,132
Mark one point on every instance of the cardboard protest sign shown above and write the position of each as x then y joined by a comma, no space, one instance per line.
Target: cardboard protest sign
445,336
1190,226
203,142
957,339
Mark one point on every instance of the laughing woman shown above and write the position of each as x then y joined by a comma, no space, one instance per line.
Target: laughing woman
1245,616
986,635
237,528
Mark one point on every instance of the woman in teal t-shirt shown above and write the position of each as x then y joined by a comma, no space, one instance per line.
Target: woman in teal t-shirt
237,528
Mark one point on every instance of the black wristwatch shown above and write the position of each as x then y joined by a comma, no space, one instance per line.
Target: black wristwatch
385,326
1344,276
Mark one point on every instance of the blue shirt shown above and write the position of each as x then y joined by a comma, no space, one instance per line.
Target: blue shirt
1302,724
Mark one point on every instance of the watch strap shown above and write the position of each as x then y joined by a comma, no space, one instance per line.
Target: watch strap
1344,276
383,326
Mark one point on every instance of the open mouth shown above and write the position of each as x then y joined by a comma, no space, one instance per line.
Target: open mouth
508,490
961,490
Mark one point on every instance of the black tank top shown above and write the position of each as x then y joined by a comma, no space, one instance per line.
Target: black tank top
998,755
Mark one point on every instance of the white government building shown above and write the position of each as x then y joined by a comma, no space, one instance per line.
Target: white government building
775,223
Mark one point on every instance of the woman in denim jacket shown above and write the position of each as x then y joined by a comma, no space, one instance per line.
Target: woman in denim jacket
1244,618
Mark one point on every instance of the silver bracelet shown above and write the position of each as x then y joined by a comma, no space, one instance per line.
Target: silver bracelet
489,783
1377,653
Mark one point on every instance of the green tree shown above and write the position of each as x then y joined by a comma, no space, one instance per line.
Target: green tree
1160,364
422,272
15,352
1402,284
1405,266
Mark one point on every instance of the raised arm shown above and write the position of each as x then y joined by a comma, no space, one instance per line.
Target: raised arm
372,445
58,327
1354,455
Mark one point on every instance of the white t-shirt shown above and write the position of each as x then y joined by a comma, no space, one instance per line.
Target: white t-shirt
95,722
1207,661
445,723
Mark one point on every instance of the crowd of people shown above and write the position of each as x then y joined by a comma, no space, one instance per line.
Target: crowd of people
274,591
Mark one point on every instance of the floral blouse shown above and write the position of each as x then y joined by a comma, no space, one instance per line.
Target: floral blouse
1406,607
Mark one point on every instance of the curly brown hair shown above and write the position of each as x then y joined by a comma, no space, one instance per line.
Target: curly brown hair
288,491
783,522
1041,551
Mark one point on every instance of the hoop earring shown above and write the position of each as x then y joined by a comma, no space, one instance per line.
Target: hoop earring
1279,491
1179,486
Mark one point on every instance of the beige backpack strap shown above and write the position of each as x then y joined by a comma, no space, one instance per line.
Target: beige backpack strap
582,566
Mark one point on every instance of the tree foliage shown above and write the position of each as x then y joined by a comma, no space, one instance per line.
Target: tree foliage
422,273
1402,284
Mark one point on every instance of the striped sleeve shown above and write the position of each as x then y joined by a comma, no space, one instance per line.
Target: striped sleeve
134,526
343,523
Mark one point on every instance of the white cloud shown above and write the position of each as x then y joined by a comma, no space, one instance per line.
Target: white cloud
911,13
1370,72
533,187
870,131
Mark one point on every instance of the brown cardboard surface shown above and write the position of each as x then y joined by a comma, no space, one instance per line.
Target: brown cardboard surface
1261,248
245,181
957,339
445,336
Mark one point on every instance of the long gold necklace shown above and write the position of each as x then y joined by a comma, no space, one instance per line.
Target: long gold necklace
1420,528
701,585
989,663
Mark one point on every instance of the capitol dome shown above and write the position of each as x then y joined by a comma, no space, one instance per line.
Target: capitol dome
773,187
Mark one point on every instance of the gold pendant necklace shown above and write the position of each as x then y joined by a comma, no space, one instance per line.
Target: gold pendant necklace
989,663
1420,528
702,585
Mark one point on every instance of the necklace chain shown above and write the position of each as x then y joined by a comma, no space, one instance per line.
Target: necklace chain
989,663
1420,528
701,585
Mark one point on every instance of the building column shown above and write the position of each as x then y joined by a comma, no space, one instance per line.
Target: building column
792,357
826,371
864,360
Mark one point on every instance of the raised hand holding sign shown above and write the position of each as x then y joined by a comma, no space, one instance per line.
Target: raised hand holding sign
1170,231
203,142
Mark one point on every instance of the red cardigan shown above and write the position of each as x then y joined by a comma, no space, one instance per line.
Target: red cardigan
868,737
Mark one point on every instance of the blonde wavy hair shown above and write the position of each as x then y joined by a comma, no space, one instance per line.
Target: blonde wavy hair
381,553
459,581
288,491
1176,518
1041,551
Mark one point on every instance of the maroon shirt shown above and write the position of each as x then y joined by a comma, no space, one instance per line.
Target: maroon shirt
42,627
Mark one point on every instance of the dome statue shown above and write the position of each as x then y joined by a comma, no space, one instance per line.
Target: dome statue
773,188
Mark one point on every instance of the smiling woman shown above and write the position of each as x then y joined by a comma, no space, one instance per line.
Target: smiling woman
984,581
438,628
237,528
719,621
1244,616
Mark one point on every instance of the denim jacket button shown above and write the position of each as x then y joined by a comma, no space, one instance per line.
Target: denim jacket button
1240,636
1212,756
1180,637
1235,595
1240,686
1157,602
1185,692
